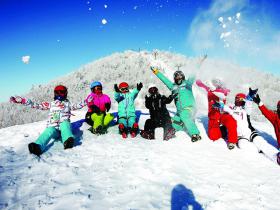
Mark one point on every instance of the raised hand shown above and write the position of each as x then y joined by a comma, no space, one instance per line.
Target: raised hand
139,86
116,88
252,94
257,99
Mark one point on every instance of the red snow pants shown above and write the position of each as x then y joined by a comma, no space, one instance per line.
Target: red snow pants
216,120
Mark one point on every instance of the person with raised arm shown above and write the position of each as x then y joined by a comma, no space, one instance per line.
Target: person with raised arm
58,124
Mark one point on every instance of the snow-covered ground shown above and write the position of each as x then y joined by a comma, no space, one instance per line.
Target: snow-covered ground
107,172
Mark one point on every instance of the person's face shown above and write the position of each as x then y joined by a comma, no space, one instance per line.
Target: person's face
97,89
178,79
153,90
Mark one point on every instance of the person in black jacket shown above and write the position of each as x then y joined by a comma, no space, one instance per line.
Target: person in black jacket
159,115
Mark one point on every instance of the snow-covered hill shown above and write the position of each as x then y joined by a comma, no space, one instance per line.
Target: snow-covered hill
107,172
133,67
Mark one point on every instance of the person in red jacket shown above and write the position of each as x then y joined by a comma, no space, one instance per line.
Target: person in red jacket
218,120
273,117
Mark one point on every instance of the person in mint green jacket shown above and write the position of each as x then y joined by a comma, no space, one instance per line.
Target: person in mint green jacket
184,101
126,108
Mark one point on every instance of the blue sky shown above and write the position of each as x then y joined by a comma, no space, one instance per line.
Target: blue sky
62,35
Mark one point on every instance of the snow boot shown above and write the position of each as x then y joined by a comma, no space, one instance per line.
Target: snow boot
169,134
133,130
231,146
147,135
98,130
195,137
123,130
69,143
35,149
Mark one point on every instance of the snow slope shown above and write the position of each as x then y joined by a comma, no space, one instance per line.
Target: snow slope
107,172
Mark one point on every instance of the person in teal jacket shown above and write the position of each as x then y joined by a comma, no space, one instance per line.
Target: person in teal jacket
184,101
126,108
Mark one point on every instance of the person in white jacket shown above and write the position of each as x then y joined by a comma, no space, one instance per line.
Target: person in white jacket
58,124
241,111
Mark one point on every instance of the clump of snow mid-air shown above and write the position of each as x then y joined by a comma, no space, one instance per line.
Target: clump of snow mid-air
25,59
104,21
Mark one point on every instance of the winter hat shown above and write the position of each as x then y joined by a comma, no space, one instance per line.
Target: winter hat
94,84
123,85
240,99
152,89
60,92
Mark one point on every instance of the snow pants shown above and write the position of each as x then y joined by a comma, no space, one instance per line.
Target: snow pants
183,121
49,133
127,122
101,119
214,131
151,125
259,145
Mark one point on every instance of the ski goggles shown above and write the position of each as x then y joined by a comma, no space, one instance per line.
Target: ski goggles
240,99
125,89
60,92
97,88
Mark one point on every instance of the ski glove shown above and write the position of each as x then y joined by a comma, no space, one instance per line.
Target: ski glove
95,109
155,69
107,106
172,96
251,94
139,86
257,99
116,88
17,100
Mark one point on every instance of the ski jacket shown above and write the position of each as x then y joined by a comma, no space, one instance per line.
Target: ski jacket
59,111
98,100
184,99
126,106
157,107
273,118
214,96
242,116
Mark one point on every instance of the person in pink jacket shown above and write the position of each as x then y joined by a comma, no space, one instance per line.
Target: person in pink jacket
98,104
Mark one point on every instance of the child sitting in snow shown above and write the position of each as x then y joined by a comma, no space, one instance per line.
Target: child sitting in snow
159,115
126,108
58,124
217,92
98,104
241,111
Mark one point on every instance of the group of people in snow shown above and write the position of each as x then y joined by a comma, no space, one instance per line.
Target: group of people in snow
231,122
